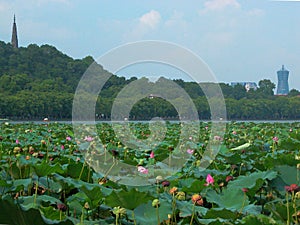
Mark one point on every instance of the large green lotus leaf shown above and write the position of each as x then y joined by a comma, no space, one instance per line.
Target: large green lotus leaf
50,184
11,214
95,195
51,214
231,198
5,186
192,186
67,182
127,199
76,170
199,172
289,143
259,220
19,172
45,169
282,157
249,181
75,206
21,184
213,221
279,211
215,213
288,174
147,214
28,201
252,209
186,209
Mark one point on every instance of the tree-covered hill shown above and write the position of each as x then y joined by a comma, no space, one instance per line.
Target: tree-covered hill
40,81
41,68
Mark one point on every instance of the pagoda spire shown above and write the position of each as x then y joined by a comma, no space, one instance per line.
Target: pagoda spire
14,36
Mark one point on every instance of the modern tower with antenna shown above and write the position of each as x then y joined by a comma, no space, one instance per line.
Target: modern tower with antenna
283,85
14,36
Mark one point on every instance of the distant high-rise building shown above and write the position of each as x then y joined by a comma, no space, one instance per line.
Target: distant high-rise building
283,85
14,36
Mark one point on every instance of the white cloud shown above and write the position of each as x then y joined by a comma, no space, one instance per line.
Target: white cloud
217,5
143,26
150,19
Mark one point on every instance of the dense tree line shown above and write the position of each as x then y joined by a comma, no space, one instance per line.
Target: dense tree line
40,81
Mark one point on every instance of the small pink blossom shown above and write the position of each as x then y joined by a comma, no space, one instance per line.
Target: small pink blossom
206,127
17,141
245,190
234,132
143,170
152,155
291,130
68,138
190,151
218,138
209,180
88,138
62,147
190,138
275,139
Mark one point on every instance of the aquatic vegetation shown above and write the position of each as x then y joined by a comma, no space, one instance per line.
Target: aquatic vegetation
46,178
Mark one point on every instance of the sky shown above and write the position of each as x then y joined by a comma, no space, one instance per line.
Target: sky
240,40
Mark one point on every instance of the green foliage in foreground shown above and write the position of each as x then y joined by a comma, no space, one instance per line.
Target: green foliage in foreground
44,178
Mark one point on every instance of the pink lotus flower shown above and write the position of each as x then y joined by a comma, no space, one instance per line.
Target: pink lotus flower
234,132
190,151
218,138
209,180
245,190
275,139
190,138
229,178
68,138
88,138
152,155
143,170
17,141
62,147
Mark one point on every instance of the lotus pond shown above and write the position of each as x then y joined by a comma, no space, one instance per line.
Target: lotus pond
45,177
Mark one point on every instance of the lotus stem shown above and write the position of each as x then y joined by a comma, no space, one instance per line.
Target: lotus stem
287,209
193,214
157,214
81,172
36,188
134,222
243,205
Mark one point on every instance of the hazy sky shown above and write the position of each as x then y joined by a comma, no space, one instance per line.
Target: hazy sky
240,40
